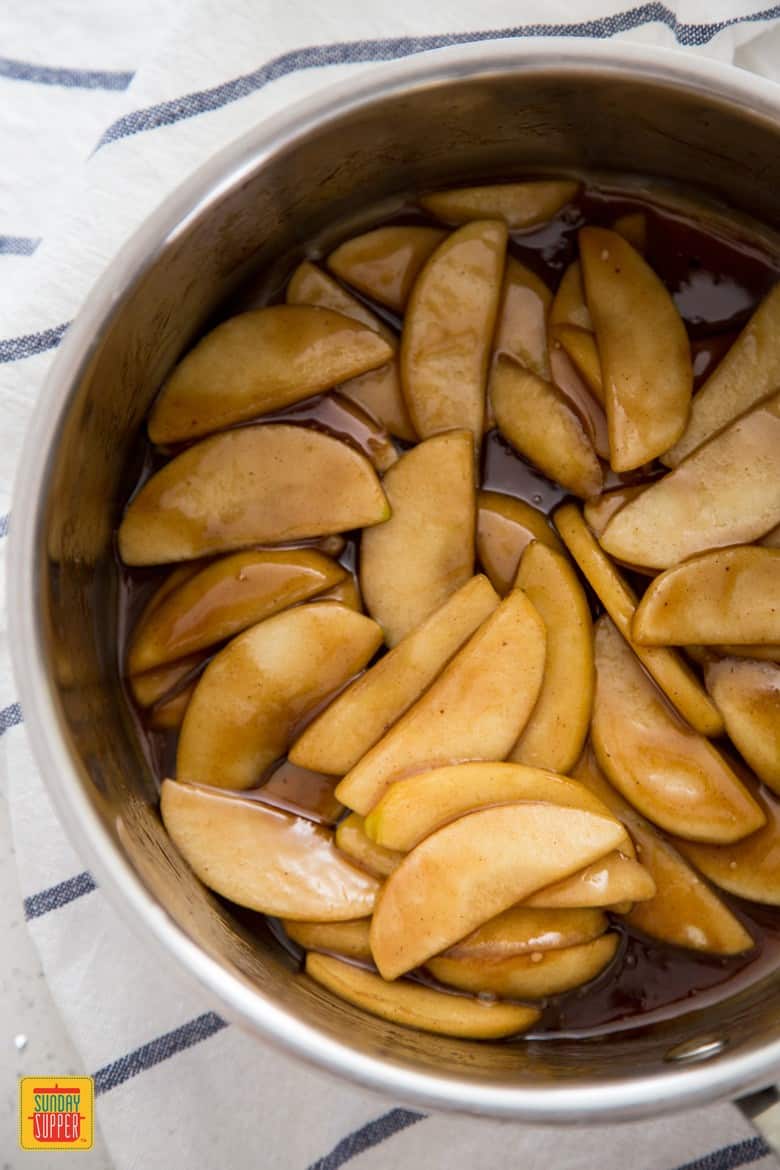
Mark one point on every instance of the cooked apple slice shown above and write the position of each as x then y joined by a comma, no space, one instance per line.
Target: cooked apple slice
554,735
747,373
772,539
226,597
565,376
301,791
730,595
256,691
448,330
581,347
384,263
342,938
255,485
632,227
600,510
154,685
668,668
410,565
261,361
360,715
644,350
521,330
347,592
668,772
569,306
748,694
309,285
475,710
346,420
475,868
414,807
725,493
423,1008
520,205
763,651
352,840
169,714
615,880
521,931
534,416
378,393
262,858
505,528
534,976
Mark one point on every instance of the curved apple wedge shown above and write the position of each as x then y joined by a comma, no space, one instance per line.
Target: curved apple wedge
632,227
358,718
535,976
351,839
520,205
748,694
600,510
345,419
410,565
581,347
347,593
643,346
535,417
262,858
341,938
169,715
521,931
617,879
261,361
255,485
384,263
505,528
569,306
423,1008
378,393
475,868
255,692
729,595
448,330
151,686
309,285
521,329
554,735
564,374
672,775
726,492
475,709
226,597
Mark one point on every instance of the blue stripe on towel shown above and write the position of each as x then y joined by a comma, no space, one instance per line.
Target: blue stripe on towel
730,1157
369,1135
60,895
156,1051
15,348
12,715
69,78
18,245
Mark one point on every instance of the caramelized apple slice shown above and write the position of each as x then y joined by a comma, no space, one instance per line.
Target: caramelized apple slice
384,263
360,715
351,839
632,227
448,331
534,416
414,1006
378,393
569,306
342,938
613,881
255,485
772,539
475,710
726,492
748,694
600,510
346,420
668,772
521,931
667,667
730,595
762,651
347,592
554,735
577,394
169,715
256,691
505,528
581,347
745,375
156,684
521,330
262,858
520,205
644,350
534,976
410,565
309,285
258,362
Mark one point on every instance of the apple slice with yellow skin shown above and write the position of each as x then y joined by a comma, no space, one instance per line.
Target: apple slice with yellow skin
614,881
521,329
351,839
261,361
632,227
255,692
378,393
565,376
410,565
747,373
554,735
384,263
254,485
643,346
475,710
153,685
521,931
684,911
729,595
309,285
448,331
534,416
668,668
349,939
670,773
169,715
347,593
224,598
725,493
262,858
473,869
505,528
600,510
748,694
413,808
360,715
422,1008
581,347
520,205
534,976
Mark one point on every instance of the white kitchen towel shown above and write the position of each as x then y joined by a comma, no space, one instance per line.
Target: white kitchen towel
105,106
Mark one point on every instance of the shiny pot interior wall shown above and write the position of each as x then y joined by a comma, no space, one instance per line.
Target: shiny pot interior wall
500,123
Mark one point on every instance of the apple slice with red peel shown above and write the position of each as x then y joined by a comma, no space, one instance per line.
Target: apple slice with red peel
505,528
748,694
521,329
534,976
349,939
384,263
520,205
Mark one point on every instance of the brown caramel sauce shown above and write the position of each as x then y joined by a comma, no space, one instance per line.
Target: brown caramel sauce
717,277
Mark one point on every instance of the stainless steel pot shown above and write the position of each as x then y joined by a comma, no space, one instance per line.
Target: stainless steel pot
497,110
